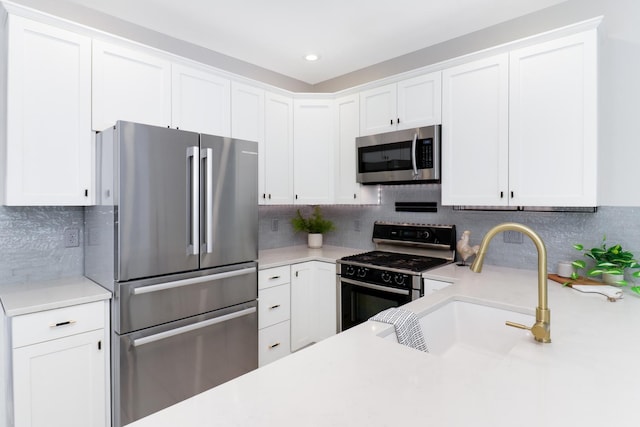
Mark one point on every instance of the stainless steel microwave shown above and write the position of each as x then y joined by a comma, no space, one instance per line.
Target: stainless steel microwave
407,156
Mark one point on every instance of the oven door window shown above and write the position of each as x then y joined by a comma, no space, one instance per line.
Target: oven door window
359,303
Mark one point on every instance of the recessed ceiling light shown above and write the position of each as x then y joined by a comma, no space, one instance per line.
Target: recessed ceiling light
312,57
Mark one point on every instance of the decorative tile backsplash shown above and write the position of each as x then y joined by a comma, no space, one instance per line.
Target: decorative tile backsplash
32,239
32,243
558,230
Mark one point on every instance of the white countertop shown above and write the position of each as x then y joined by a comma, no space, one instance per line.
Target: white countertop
294,254
588,376
25,298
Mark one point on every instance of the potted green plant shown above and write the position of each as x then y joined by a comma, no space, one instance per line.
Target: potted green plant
315,225
610,261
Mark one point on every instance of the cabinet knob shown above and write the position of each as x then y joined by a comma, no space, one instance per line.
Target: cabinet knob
273,307
391,122
512,194
354,195
57,325
274,345
501,194
274,277
398,120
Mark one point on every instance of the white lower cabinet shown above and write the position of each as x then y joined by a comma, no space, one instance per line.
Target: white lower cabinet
274,309
313,303
60,366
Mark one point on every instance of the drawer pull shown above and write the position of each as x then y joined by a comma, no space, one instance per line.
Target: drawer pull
68,322
274,277
274,345
274,306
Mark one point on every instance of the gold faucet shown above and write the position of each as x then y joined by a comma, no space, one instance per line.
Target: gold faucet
541,330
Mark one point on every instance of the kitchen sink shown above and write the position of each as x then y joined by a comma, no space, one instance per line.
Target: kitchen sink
460,329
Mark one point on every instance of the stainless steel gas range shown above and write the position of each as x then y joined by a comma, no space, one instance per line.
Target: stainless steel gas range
391,275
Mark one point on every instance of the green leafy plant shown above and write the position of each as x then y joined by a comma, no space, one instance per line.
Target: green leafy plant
612,260
316,223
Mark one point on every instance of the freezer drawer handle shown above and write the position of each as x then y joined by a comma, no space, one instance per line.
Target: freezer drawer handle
193,281
184,329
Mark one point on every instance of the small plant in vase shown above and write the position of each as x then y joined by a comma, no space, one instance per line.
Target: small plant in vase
316,225
610,261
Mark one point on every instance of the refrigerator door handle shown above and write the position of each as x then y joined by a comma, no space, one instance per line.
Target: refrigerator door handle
192,281
193,189
207,188
184,329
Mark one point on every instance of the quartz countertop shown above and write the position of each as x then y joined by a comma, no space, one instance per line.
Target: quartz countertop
31,297
588,375
294,254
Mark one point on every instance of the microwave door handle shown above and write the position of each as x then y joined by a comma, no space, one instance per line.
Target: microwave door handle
413,155
207,156
193,188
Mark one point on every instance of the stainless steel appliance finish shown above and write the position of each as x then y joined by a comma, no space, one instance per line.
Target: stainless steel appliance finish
391,276
174,237
401,157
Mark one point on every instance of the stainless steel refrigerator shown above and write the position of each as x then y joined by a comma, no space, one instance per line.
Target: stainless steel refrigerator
174,236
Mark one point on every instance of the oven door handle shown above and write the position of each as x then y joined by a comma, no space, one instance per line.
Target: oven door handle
376,287
184,329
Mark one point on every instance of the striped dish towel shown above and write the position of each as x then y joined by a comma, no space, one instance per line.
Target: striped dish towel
407,327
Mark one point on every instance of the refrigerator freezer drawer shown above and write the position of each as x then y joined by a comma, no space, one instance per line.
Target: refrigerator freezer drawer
146,303
163,365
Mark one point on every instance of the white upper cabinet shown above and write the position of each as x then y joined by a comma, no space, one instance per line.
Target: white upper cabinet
247,122
313,151
130,85
553,123
520,129
47,134
408,104
475,132
346,129
200,101
278,150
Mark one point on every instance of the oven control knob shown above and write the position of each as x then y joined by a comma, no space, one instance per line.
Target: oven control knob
386,277
399,279
362,271
350,270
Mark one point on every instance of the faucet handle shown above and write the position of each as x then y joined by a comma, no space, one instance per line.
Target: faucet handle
540,330
517,325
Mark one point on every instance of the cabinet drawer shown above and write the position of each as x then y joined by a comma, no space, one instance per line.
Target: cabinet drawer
273,343
61,322
274,305
274,277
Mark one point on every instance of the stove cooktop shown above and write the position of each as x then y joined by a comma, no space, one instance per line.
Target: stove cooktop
396,261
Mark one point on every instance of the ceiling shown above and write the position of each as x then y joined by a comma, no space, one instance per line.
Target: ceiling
348,35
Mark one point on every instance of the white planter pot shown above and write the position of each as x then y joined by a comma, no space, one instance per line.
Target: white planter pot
612,278
315,240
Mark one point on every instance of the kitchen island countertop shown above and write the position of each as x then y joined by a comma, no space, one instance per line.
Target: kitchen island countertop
587,376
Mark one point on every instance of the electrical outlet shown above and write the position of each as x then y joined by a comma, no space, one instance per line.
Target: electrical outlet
274,224
71,238
512,237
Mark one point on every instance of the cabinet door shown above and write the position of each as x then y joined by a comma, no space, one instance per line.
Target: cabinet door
346,129
247,122
419,101
48,129
61,383
313,303
378,110
475,133
553,123
313,151
278,150
201,101
129,85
